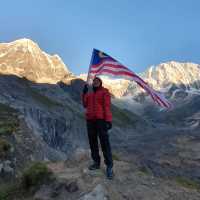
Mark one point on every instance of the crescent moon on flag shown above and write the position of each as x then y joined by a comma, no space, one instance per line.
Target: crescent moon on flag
101,55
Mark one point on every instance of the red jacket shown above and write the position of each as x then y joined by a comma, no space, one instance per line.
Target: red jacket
97,105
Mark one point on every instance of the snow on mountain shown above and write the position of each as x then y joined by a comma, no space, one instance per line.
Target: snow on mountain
24,58
116,86
161,77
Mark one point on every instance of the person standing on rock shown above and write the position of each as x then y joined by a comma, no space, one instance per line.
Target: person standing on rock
99,120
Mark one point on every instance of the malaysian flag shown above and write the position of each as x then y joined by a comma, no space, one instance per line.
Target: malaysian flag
103,64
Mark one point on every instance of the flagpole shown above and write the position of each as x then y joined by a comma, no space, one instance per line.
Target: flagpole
90,66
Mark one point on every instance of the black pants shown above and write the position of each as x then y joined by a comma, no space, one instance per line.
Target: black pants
98,129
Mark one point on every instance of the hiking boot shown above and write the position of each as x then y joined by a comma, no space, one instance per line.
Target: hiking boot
109,173
94,166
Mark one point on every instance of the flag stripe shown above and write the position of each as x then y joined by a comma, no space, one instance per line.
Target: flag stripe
120,72
110,74
113,64
114,68
108,63
107,60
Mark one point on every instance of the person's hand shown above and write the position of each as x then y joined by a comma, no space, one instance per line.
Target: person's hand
85,89
108,125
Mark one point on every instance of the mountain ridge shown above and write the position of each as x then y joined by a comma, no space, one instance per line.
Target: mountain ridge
24,58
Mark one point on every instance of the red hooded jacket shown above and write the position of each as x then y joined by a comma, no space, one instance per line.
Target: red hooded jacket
98,105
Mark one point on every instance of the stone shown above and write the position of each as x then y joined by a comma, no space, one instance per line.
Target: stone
7,169
72,187
1,167
98,193
7,162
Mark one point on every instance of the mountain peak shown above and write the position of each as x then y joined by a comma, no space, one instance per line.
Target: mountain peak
25,45
178,73
24,58
25,41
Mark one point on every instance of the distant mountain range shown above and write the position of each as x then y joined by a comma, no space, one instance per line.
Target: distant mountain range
162,77
24,58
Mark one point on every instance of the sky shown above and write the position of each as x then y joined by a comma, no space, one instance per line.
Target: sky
138,33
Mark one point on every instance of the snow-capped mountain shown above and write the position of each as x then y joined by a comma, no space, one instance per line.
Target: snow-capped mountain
117,87
163,77
24,58
171,78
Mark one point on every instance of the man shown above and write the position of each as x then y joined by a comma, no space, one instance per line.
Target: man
99,118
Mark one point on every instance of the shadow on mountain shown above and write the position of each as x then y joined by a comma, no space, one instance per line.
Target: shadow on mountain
49,111
74,87
53,113
186,106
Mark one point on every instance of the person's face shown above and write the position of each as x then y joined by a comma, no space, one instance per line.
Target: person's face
96,82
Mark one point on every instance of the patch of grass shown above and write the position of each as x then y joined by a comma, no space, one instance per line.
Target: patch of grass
4,147
115,157
73,110
187,183
124,117
8,127
144,171
36,95
30,180
46,101
9,191
6,109
35,175
8,120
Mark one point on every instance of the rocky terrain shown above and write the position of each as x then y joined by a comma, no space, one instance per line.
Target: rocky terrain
129,183
42,119
72,180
